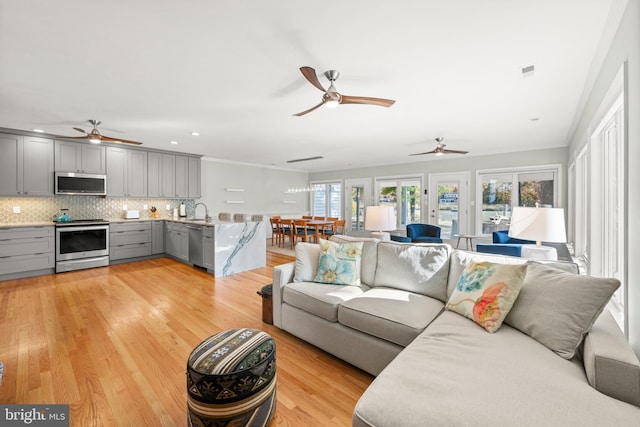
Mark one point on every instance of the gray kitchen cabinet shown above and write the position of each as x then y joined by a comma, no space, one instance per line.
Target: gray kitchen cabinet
157,237
182,177
177,241
129,240
80,157
161,175
126,172
194,177
26,251
26,166
209,248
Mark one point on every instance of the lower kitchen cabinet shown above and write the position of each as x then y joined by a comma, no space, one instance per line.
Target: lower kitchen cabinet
26,251
177,241
209,248
157,237
129,240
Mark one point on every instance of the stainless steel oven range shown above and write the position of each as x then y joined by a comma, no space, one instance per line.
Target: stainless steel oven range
81,244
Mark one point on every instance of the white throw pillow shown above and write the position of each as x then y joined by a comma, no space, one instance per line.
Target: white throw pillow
307,255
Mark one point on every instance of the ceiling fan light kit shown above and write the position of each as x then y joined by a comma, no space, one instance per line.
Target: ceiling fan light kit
331,97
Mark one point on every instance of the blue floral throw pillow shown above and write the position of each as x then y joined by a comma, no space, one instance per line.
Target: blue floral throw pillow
339,264
486,292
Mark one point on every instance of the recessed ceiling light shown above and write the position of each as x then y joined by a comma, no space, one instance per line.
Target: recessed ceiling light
173,142
195,133
38,130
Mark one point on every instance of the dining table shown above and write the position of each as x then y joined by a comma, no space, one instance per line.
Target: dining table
318,224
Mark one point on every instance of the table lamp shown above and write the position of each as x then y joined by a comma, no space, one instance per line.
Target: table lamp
380,219
540,225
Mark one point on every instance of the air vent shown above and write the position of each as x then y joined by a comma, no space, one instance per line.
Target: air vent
528,71
305,159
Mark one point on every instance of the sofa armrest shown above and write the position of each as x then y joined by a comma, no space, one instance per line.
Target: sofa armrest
609,361
282,274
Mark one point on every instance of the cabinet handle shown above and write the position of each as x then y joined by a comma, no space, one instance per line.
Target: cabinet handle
3,257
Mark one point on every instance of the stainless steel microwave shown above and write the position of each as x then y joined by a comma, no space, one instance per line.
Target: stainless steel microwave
81,184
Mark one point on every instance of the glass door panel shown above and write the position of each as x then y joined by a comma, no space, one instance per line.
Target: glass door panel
496,202
448,208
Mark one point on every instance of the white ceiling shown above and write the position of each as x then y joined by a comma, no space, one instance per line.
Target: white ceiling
153,71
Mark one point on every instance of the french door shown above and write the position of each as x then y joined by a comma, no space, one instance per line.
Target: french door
357,196
449,203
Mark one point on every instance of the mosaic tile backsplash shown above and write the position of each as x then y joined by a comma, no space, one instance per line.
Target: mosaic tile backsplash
84,207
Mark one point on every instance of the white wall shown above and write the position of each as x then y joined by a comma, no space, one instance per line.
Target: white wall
263,187
457,164
624,49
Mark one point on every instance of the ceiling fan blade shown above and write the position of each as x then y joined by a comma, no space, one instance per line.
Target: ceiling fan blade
454,151
310,74
420,154
346,99
80,130
309,110
119,140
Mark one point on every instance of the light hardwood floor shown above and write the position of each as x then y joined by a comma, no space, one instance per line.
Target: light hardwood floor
113,343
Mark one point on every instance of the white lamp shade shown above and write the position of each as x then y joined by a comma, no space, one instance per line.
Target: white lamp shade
538,224
380,218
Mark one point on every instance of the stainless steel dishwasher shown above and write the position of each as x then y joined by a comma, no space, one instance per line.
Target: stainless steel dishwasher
195,245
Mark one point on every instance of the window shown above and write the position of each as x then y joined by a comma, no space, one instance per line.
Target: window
404,194
502,190
326,198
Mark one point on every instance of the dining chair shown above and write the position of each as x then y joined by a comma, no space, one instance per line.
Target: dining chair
307,217
275,230
300,229
224,216
336,228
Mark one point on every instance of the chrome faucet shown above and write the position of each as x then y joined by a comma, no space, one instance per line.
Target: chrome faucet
206,211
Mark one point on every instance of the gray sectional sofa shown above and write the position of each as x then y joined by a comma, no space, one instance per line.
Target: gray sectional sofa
558,359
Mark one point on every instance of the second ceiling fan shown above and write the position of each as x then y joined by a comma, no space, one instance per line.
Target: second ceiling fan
95,137
440,150
332,98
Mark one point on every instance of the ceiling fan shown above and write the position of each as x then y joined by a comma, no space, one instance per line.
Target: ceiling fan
95,137
331,97
440,150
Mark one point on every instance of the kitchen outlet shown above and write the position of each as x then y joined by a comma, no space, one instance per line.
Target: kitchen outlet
16,209
124,207
168,206
145,207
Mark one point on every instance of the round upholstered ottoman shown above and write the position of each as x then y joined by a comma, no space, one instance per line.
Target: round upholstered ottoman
231,379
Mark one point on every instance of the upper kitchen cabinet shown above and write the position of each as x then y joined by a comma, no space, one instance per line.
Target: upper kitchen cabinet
162,175
26,166
126,172
182,177
79,157
194,177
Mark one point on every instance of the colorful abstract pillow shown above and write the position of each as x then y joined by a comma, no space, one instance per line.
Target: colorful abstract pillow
339,264
486,292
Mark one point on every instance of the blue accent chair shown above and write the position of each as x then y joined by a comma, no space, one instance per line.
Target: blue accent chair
424,233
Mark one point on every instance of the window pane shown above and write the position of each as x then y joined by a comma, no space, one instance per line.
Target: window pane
357,208
535,188
410,203
387,196
448,210
334,200
496,202
319,200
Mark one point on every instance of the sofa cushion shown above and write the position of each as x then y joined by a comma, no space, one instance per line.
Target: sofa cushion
460,259
418,268
486,292
392,314
369,255
319,299
455,374
558,308
307,255
339,263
